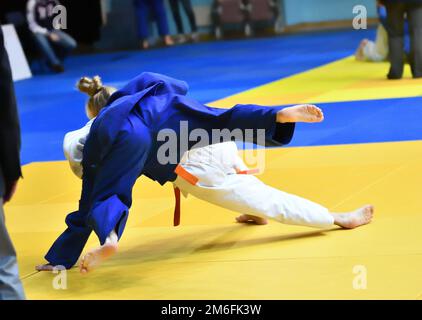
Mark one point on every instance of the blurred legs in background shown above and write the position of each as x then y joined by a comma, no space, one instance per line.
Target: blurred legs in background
187,6
143,9
10,284
55,50
415,20
395,23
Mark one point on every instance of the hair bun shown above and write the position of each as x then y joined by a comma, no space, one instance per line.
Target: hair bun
90,86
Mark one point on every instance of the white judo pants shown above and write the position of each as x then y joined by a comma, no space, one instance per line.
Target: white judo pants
212,174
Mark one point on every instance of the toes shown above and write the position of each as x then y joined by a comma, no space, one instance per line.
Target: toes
83,269
368,213
83,266
369,210
251,219
44,267
242,219
320,114
312,109
315,111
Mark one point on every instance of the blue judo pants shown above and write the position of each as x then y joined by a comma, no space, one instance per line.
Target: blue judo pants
143,8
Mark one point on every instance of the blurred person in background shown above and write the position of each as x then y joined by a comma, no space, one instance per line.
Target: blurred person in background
187,6
10,172
396,11
54,44
377,51
143,9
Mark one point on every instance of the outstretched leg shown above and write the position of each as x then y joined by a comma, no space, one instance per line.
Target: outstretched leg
349,220
246,194
219,183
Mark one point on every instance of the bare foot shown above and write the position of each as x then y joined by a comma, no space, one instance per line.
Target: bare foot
168,41
246,218
354,219
301,113
359,52
44,267
97,256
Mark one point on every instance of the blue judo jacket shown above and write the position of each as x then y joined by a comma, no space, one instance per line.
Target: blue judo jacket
124,142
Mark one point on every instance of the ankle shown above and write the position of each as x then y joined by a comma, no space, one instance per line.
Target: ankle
339,218
283,117
112,238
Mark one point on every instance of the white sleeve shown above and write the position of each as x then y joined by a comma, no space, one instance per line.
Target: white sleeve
381,43
73,146
30,15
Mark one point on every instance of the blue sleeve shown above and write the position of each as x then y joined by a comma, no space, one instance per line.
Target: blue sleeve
241,117
115,176
106,193
259,117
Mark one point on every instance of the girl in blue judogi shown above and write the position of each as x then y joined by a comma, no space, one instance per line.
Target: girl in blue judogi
122,141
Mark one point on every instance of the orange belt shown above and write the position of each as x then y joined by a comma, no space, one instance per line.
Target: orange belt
183,173
180,171
176,220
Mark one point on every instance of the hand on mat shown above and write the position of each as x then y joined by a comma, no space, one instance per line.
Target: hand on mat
44,267
246,218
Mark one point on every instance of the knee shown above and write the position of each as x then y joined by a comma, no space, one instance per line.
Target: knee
72,44
40,39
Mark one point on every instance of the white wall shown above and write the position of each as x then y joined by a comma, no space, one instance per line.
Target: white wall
18,62
305,11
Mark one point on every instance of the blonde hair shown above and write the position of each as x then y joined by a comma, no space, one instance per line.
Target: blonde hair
97,92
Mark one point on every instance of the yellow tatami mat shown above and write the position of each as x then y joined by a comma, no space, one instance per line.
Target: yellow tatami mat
211,257
343,80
